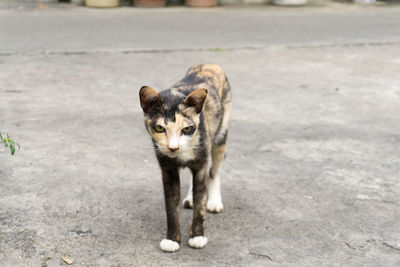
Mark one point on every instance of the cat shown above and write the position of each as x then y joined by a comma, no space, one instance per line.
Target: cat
188,125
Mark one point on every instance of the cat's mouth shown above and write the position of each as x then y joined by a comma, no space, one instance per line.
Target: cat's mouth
171,154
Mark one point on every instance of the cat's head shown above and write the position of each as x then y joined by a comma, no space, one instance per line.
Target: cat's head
172,119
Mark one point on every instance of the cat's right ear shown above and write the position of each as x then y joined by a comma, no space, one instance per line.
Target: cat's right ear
148,98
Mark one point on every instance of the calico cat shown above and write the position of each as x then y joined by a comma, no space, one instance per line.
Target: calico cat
188,125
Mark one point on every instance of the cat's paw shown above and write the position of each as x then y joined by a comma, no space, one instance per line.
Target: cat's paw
197,241
188,203
168,245
214,206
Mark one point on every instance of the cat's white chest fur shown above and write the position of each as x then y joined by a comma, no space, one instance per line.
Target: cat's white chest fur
186,155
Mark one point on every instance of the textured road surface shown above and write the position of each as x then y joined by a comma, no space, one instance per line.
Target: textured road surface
312,172
131,29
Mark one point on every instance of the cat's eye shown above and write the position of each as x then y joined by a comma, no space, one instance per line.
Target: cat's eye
159,129
187,130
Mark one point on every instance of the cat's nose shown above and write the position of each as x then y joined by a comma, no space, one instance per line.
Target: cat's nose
173,144
173,149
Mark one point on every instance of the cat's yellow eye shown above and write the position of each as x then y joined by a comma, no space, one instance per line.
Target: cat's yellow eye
187,130
159,129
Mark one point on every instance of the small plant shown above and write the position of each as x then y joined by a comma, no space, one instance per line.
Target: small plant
8,142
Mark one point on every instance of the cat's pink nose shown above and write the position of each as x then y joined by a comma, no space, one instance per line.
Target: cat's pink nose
173,149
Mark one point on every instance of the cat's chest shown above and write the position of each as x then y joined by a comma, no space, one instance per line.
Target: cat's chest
186,156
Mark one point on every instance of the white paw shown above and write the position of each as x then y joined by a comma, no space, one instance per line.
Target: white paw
215,206
197,241
188,203
169,245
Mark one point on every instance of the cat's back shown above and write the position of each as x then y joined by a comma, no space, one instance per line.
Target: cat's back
208,76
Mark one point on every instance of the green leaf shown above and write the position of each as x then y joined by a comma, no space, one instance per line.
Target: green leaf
12,148
8,142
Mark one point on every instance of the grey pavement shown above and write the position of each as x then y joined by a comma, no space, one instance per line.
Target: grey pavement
133,29
312,172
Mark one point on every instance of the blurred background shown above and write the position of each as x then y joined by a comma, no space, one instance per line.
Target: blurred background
199,3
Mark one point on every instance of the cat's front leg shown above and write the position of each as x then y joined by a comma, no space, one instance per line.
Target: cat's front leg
172,197
197,238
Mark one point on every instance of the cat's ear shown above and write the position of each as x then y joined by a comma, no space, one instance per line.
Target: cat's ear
148,98
196,99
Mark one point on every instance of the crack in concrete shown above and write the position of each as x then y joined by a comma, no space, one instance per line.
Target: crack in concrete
80,232
212,49
363,246
360,247
390,246
261,255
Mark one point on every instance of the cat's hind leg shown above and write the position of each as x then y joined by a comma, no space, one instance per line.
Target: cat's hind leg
214,203
188,200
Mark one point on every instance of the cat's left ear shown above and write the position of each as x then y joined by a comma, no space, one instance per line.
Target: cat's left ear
196,99
148,98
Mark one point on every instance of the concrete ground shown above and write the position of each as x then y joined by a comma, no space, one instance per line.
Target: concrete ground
312,172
